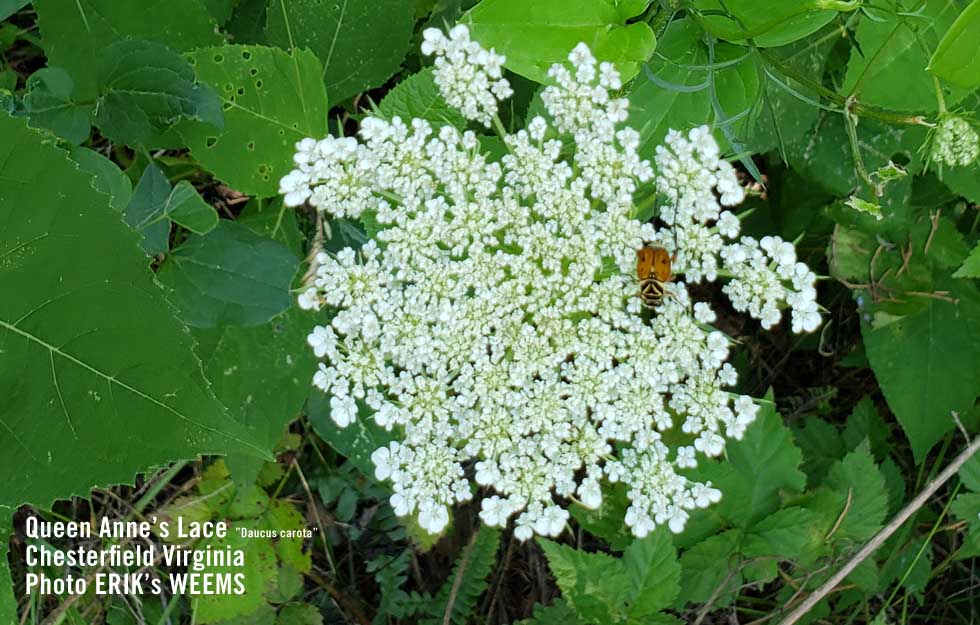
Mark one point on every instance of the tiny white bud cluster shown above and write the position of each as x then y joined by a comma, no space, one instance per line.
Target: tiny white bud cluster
495,322
955,143
469,77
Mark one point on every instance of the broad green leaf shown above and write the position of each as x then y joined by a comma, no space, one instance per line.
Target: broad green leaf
866,423
50,104
75,32
220,10
418,96
606,522
654,573
9,7
146,88
230,276
970,473
360,43
107,177
94,363
357,441
928,363
671,92
260,570
893,49
957,58
299,614
824,156
270,100
558,613
857,476
768,23
187,208
262,376
273,219
784,534
710,567
595,585
535,35
971,266
759,466
966,507
145,212
821,444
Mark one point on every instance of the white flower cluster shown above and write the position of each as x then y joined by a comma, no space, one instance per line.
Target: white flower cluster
495,322
764,276
955,143
469,77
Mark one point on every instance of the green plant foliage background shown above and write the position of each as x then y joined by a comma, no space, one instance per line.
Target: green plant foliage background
149,331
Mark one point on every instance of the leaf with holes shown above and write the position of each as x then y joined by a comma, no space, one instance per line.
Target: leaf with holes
93,362
230,276
360,44
271,100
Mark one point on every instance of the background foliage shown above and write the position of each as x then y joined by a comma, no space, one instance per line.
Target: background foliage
146,316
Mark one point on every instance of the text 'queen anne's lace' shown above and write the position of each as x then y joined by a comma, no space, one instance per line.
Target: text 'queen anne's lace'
495,321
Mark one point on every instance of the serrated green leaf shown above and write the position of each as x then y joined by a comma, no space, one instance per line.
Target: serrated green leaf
866,423
893,49
784,534
106,176
607,521
535,35
654,573
146,89
759,466
271,100
262,375
707,566
772,22
821,444
558,613
864,206
261,575
957,57
966,507
970,473
50,103
359,45
299,614
928,363
418,96
595,585
857,478
971,266
187,208
230,276
93,362
75,32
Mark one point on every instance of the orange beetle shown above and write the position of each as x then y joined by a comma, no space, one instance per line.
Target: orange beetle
654,272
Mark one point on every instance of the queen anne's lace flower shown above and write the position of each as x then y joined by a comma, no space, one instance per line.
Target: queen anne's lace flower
955,143
495,323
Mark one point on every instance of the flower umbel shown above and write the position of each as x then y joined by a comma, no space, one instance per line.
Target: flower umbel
494,321
955,143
